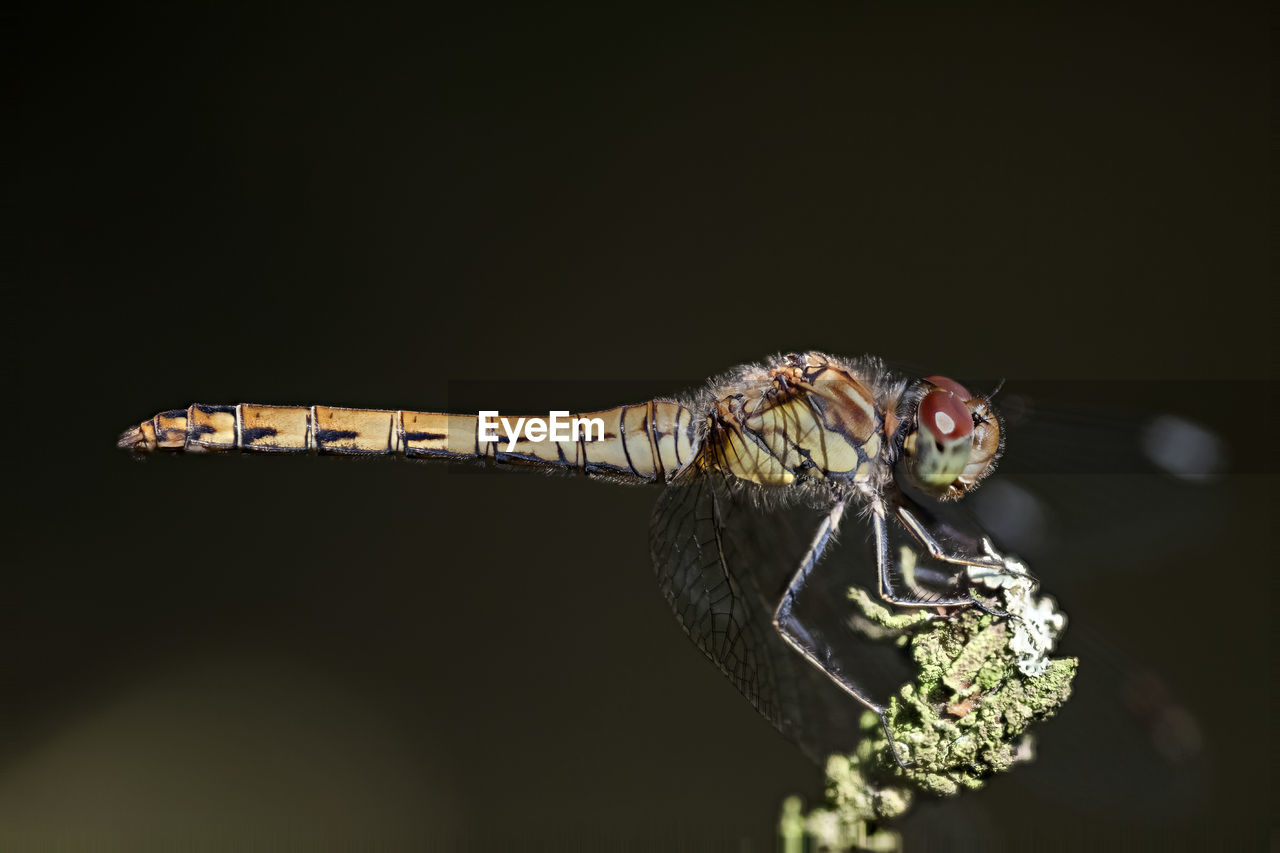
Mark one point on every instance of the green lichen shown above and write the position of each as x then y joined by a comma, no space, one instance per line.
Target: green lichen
964,718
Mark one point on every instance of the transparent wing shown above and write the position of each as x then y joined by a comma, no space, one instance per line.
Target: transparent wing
723,559
722,609
1124,512
1099,477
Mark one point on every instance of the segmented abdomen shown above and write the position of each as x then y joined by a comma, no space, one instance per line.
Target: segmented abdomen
645,442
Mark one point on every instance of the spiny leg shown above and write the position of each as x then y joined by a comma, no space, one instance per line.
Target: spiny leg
988,562
785,623
980,561
885,563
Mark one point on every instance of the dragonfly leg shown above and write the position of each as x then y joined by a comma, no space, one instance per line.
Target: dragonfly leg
983,558
987,565
795,635
886,564
987,608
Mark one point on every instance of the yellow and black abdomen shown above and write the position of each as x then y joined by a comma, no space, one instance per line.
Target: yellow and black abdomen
644,443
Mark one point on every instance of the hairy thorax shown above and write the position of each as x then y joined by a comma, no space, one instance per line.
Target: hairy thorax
808,416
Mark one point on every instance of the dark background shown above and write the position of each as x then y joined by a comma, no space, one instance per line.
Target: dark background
374,210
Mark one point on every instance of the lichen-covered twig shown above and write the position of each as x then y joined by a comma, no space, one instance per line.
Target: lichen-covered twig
980,681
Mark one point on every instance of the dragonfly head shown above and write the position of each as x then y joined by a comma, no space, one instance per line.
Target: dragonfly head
953,439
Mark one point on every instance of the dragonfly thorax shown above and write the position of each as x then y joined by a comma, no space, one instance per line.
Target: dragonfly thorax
807,418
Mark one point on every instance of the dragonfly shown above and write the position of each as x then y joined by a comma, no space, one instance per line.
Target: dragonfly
762,470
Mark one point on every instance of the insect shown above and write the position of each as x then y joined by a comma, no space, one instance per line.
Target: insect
762,470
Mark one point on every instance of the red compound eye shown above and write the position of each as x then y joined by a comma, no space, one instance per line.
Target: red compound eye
950,385
943,412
